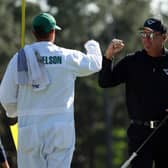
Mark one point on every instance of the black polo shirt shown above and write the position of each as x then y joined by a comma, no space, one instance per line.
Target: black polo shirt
146,81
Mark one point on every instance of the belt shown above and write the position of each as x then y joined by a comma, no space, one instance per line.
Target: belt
151,124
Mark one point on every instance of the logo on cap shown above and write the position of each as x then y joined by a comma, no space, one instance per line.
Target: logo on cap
150,21
154,25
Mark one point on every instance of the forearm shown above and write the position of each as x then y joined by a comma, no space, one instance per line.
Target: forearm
105,75
111,76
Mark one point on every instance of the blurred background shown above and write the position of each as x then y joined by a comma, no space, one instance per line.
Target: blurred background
100,114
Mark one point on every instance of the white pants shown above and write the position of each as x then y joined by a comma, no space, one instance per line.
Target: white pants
59,158
45,144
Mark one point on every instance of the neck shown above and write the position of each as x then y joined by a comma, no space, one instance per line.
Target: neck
48,37
155,53
39,40
44,39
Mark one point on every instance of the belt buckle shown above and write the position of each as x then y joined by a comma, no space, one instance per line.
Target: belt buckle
153,124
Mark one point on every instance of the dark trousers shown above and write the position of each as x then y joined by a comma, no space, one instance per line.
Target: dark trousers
154,151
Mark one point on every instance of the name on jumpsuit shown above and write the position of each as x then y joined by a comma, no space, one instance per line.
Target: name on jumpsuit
52,60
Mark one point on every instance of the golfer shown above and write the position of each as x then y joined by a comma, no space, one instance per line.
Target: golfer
145,75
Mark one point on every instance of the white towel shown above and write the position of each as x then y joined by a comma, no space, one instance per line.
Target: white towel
31,69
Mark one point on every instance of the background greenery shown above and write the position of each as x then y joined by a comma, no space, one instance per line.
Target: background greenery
100,114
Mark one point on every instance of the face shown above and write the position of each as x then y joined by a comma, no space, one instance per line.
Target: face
152,41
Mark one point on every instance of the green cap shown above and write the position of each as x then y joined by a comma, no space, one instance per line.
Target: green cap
45,21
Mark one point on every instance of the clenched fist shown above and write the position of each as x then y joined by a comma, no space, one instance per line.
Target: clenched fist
114,47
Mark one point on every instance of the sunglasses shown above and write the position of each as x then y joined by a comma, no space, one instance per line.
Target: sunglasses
149,35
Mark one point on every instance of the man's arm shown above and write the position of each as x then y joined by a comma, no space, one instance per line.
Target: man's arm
9,88
105,74
110,76
82,64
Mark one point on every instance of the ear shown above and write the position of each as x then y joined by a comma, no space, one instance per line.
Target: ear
165,37
52,31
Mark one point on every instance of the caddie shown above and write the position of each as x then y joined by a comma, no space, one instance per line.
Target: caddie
38,87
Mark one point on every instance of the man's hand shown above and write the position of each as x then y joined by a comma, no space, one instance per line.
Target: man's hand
5,164
114,47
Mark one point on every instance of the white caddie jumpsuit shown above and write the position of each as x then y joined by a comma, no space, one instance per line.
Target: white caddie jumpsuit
46,118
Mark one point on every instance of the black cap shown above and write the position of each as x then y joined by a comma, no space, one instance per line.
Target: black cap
155,25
